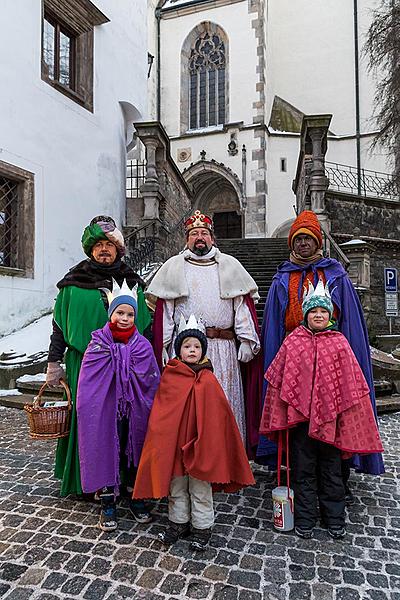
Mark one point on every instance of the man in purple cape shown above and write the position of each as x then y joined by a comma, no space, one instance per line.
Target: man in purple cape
348,313
117,383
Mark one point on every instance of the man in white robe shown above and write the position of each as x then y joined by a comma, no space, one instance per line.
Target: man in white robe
217,289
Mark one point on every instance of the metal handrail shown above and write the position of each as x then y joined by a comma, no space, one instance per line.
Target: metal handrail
373,183
343,258
137,229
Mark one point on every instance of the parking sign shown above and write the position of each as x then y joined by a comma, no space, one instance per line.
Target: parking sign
390,279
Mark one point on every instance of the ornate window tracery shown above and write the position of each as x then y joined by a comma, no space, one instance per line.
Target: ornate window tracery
207,65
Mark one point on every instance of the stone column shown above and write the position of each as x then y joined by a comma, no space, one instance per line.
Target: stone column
150,190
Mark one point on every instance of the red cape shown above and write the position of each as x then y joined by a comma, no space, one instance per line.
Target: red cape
193,431
316,378
252,375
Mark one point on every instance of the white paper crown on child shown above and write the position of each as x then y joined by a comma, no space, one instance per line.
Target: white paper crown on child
191,323
318,296
190,328
121,295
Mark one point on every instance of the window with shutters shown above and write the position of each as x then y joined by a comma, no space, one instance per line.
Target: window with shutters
67,47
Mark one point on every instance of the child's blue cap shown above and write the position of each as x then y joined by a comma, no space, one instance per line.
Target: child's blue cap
130,300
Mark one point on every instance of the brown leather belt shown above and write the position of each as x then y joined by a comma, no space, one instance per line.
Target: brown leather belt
218,333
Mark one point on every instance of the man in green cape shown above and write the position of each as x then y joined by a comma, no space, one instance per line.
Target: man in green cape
80,308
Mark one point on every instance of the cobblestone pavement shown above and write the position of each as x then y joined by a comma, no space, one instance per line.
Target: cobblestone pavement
50,547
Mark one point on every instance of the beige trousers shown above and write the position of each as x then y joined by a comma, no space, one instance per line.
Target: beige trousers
191,500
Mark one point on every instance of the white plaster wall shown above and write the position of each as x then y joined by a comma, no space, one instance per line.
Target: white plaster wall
280,197
236,22
78,158
152,48
311,59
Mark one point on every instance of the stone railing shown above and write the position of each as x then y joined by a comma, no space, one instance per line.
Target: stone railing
163,202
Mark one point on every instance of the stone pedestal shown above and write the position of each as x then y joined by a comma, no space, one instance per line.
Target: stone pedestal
358,252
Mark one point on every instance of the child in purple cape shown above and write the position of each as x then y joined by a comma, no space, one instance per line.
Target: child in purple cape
117,383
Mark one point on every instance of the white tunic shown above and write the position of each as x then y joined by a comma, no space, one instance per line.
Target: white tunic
205,303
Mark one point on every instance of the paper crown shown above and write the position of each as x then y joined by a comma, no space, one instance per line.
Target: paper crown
318,296
198,220
121,295
190,328
191,323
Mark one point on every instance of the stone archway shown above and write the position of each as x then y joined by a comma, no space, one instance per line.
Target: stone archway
217,191
283,230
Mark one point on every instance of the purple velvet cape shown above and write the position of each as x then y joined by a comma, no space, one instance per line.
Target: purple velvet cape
350,322
116,380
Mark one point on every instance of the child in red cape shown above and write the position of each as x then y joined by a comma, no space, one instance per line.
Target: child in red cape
317,389
193,446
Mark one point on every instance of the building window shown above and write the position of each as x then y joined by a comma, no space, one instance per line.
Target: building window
16,221
207,65
58,53
67,47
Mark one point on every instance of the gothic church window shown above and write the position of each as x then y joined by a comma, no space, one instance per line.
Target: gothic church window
207,65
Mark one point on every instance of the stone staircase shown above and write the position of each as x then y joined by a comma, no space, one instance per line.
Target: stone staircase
260,257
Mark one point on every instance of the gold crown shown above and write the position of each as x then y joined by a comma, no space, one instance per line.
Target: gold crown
198,220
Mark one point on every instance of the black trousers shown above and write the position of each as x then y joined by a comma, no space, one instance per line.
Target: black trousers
127,474
316,474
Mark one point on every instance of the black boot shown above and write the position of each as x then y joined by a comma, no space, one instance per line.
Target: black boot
199,538
174,532
108,514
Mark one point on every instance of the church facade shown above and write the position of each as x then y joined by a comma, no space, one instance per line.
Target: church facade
231,81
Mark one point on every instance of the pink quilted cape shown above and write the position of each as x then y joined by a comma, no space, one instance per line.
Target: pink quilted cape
316,378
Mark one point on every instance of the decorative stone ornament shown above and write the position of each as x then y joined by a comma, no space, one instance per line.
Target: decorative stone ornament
184,154
233,146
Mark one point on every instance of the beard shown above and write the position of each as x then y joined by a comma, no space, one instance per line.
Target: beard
201,250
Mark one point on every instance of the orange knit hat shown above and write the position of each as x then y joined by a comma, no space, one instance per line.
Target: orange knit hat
308,224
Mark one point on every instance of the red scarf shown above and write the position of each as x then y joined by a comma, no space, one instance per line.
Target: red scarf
121,335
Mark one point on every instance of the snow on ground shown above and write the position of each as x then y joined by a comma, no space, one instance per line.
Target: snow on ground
29,340
10,393
40,377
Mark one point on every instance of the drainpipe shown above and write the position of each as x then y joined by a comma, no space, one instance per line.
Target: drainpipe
357,95
158,18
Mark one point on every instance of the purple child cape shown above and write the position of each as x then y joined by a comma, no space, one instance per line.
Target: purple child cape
116,380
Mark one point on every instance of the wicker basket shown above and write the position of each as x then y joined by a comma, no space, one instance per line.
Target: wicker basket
49,423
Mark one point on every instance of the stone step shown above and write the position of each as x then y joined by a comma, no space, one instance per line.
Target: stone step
385,404
20,401
33,387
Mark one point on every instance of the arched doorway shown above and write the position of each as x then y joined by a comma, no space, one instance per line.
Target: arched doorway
218,192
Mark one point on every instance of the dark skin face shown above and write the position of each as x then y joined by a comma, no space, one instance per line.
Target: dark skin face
304,245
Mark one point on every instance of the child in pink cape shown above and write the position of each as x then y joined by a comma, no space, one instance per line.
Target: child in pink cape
317,390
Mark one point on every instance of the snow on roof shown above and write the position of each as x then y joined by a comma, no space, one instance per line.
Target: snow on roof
354,242
175,3
29,340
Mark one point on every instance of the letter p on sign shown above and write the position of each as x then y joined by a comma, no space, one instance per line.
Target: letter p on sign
390,279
